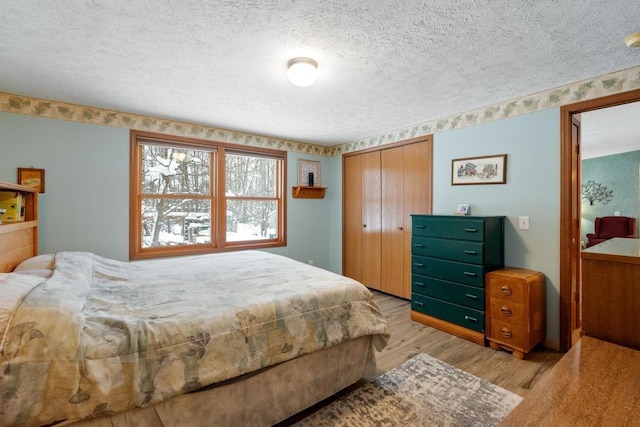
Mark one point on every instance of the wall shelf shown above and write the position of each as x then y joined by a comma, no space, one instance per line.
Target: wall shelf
305,192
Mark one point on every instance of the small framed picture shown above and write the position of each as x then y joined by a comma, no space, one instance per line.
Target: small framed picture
309,173
479,170
462,209
31,177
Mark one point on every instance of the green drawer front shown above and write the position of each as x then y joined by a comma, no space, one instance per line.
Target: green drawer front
468,296
449,227
454,313
466,274
455,250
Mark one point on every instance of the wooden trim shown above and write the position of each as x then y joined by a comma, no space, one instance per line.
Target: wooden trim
566,196
392,145
452,328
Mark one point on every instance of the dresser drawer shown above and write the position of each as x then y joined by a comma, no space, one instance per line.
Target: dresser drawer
468,296
467,274
454,313
507,311
505,289
449,227
509,334
455,250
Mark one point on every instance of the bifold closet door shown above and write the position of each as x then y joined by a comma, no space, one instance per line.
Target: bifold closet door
362,220
417,190
393,261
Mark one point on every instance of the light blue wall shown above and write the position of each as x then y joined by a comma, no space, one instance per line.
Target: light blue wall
86,204
619,173
532,145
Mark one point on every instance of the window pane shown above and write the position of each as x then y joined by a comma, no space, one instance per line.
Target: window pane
251,220
170,170
248,176
173,222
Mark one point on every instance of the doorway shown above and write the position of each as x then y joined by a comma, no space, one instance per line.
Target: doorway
570,206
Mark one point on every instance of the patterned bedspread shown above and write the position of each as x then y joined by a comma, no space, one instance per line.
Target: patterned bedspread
102,336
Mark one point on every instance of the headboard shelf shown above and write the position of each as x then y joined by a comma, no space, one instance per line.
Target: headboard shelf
19,240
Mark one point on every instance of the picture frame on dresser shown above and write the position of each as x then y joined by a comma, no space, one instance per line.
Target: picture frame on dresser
479,170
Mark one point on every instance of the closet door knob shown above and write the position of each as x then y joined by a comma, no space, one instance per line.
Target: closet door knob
400,228
364,225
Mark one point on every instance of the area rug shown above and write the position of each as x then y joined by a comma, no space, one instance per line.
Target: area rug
423,391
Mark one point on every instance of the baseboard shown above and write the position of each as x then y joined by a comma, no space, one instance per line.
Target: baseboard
553,345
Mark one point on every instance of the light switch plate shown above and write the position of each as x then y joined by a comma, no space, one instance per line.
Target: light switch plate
523,222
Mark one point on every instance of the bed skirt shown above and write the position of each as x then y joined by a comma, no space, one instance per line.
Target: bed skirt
259,399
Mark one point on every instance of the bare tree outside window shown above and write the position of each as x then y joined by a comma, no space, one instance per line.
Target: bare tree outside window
252,209
190,196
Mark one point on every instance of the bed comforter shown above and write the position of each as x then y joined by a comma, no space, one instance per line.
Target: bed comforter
101,336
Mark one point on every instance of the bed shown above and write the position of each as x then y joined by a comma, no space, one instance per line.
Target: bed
242,338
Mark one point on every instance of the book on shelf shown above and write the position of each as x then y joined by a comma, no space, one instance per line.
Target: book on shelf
13,204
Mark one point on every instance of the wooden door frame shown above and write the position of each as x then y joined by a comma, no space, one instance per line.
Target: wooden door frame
567,236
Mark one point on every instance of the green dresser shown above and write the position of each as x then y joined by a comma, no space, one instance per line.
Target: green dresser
450,256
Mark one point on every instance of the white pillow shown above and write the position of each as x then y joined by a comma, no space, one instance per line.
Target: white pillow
39,262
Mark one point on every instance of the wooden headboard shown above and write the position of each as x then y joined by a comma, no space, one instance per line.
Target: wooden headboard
19,240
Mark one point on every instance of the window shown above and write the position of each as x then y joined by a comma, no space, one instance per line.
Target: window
190,196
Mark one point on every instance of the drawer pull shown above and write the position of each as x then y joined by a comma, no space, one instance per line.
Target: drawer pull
506,290
418,264
418,245
471,296
470,274
421,304
421,227
468,252
473,319
419,284
471,230
506,333
506,311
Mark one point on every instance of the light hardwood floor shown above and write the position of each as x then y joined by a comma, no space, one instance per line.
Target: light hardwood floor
409,338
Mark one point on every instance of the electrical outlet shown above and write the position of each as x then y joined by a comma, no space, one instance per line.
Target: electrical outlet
616,213
310,262
523,222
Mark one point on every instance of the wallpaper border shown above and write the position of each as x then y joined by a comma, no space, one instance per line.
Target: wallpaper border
608,84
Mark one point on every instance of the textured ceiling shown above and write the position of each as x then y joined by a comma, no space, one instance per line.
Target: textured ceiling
383,64
610,131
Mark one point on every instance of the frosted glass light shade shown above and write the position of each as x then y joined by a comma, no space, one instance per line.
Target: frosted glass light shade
302,72
633,40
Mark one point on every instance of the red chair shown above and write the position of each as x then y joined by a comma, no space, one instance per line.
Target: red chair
608,227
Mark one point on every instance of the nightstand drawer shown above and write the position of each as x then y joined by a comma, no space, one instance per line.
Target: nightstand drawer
468,296
508,334
455,250
463,228
509,290
454,313
507,311
466,274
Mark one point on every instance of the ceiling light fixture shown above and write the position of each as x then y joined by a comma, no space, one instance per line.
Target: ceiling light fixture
302,72
633,40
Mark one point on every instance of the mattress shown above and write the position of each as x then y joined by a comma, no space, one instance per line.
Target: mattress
101,337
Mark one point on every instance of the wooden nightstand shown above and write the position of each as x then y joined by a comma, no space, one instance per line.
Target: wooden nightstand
516,306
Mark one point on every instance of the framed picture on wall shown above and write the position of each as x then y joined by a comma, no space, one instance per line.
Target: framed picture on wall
31,177
309,173
479,170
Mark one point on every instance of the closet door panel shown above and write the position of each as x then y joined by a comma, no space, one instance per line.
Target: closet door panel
371,219
392,222
417,190
352,214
